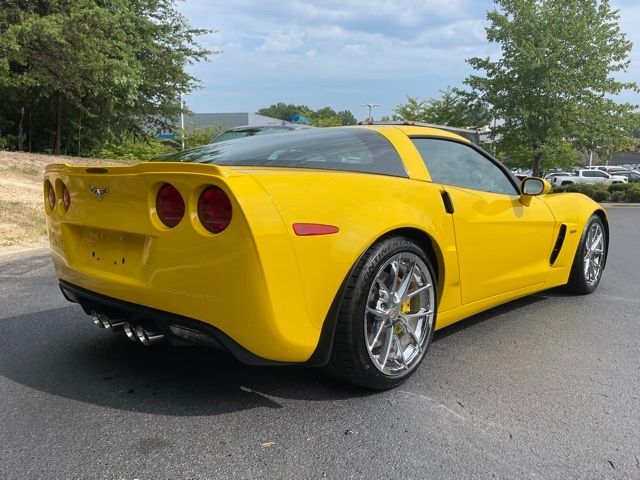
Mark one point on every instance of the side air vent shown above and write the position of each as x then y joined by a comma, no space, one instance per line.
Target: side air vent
96,170
448,204
558,245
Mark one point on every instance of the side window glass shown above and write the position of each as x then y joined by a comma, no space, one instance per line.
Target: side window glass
452,163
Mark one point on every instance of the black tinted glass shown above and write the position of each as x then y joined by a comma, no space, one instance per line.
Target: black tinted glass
346,149
452,163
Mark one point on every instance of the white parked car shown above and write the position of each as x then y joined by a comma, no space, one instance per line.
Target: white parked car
551,175
586,176
611,170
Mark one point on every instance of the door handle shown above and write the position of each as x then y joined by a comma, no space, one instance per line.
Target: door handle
448,204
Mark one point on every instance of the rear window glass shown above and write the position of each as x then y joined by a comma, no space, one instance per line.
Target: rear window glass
348,149
233,134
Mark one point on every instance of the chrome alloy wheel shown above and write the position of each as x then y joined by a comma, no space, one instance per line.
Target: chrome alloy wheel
593,254
399,314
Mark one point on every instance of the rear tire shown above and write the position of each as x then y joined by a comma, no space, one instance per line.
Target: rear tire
386,317
590,258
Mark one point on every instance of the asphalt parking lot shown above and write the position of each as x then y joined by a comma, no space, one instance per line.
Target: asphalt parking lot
545,387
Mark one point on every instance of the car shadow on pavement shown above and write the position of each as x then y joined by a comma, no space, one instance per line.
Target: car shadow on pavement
491,314
60,352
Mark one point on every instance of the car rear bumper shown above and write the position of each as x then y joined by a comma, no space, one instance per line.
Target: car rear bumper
177,329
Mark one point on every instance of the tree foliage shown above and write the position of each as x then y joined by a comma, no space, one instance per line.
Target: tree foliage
284,111
323,117
147,147
554,82
77,73
451,109
560,155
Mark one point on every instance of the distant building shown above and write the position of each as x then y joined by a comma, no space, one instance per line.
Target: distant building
625,158
227,120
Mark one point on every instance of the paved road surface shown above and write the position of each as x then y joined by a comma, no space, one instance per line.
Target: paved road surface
546,387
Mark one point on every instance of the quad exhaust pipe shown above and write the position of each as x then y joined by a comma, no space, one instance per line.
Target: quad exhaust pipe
133,332
140,334
105,322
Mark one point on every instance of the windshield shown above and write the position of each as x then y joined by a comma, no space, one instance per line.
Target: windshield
346,149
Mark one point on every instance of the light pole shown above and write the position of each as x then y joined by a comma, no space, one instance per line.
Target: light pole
371,107
182,120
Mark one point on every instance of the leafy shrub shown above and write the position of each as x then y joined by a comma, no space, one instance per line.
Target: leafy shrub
618,196
584,188
9,142
620,187
150,147
597,192
134,149
199,136
601,195
632,195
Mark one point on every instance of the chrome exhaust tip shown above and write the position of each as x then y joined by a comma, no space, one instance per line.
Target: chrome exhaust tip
129,330
147,337
102,321
97,319
113,325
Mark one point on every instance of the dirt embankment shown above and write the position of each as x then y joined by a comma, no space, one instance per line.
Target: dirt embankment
21,195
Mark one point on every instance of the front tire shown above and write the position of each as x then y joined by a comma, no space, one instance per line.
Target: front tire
386,317
590,258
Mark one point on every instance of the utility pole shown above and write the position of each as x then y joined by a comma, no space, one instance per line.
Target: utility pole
371,107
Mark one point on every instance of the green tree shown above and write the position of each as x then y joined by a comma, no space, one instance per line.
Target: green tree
326,122
284,111
554,82
561,155
347,118
451,109
75,74
195,137
323,117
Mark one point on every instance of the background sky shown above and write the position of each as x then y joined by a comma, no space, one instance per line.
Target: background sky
343,53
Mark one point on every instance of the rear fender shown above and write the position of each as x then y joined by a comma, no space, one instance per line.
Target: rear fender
365,208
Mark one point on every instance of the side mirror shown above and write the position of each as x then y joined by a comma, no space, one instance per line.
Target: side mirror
531,187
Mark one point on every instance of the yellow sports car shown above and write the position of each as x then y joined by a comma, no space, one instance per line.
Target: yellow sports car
339,247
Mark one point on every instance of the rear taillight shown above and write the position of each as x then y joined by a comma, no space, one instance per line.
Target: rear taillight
169,205
51,196
214,209
66,197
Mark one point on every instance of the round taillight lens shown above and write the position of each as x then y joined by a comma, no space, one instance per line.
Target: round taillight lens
214,209
169,205
51,197
66,197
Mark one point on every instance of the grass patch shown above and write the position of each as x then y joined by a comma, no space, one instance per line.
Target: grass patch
30,171
20,223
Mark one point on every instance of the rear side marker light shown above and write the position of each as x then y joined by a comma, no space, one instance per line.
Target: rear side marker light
169,205
309,229
214,209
